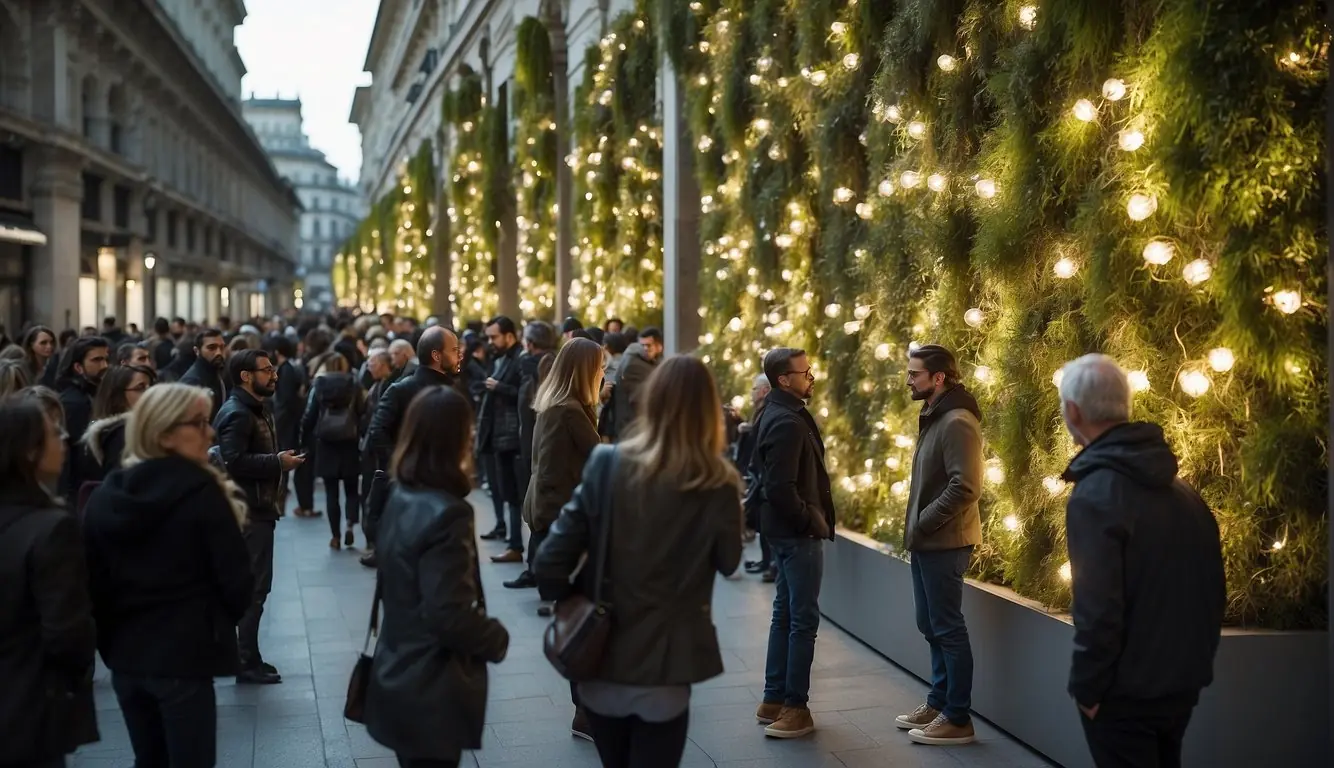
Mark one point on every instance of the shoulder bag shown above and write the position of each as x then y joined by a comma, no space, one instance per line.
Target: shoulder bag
355,707
577,635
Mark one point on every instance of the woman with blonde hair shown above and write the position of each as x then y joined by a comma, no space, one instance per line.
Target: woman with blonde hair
170,577
658,516
330,430
13,377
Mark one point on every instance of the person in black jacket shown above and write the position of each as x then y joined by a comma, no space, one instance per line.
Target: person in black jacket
745,452
1147,576
248,445
103,445
797,514
47,636
160,344
330,427
170,578
439,358
498,436
206,371
289,405
379,363
428,686
82,368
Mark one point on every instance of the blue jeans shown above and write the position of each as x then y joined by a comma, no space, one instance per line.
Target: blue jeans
937,583
787,669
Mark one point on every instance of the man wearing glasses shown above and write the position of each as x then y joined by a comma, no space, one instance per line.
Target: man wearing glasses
248,442
796,515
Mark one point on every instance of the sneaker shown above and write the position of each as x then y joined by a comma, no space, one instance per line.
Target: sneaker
579,727
792,723
919,718
941,732
767,713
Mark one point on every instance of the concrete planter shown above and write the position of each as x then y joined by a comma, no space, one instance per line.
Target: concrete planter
1269,704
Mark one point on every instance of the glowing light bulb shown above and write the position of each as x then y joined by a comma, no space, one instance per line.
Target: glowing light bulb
832,310
995,473
983,374
819,77
784,240
734,324
843,195
761,125
861,312
886,188
1139,381
1114,89
1011,523
917,129
882,352
893,113
1194,383
851,61
1287,302
852,326
986,189
1279,544
1294,57
937,182
865,210
1130,140
1064,571
910,179
893,463
1141,206
738,402
1085,111
974,317
1065,268
1159,252
1221,359
899,488
1198,271
947,63
763,63
902,441
705,144
838,28
1058,377
1028,16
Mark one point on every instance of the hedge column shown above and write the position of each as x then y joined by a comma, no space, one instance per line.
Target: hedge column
680,192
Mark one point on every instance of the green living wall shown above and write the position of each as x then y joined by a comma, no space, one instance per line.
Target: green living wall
1024,183
535,169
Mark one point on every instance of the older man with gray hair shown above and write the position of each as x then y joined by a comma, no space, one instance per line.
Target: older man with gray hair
404,359
1147,570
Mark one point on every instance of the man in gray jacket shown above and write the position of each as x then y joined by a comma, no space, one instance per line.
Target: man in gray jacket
942,527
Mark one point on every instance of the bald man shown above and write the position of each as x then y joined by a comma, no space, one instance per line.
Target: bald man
439,357
402,354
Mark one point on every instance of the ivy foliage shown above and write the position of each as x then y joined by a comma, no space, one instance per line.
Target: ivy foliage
1026,183
535,163
617,160
474,203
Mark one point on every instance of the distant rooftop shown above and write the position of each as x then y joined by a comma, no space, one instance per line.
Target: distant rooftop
275,102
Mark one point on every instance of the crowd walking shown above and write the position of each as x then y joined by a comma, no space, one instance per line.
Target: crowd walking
143,479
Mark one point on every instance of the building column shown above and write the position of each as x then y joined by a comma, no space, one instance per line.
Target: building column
49,53
57,193
680,191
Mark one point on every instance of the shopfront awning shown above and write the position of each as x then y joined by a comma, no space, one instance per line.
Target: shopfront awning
17,228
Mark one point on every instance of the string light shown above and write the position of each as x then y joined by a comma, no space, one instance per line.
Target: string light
983,374
1221,359
1011,523
1198,271
1064,571
893,113
1159,252
865,210
947,63
1054,485
1141,206
974,317
910,179
838,28
1130,140
937,182
1114,89
882,352
852,326
1139,381
818,77
902,441
1065,268
1058,377
1194,383
1287,302
1085,111
1028,16
851,61
886,188
995,474
986,189
833,310
917,129
843,195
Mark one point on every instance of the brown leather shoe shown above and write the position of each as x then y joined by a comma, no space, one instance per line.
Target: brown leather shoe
793,723
767,713
508,556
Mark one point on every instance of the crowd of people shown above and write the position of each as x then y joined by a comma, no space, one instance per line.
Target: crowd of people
142,478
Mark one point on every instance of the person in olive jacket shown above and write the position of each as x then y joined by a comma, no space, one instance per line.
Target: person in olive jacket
670,503
47,637
426,699
539,343
170,577
1147,575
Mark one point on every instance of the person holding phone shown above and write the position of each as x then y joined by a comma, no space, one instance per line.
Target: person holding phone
248,444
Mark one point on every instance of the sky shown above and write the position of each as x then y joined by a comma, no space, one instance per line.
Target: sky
313,49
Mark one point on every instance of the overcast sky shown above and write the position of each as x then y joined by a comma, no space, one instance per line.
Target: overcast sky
313,49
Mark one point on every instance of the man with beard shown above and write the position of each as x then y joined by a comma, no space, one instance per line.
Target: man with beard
248,442
206,372
498,436
943,525
797,514
83,366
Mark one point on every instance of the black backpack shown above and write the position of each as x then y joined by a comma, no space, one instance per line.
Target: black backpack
337,422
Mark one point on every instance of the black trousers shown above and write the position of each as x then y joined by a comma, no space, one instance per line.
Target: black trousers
259,542
335,512
629,742
413,762
504,483
303,477
535,539
1126,740
173,722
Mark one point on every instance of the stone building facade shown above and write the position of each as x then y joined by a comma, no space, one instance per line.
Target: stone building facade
130,185
332,206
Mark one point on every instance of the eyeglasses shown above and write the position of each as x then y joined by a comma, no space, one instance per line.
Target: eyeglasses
914,374
270,371
201,423
807,373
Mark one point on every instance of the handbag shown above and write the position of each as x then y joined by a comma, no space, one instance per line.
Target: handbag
575,639
354,708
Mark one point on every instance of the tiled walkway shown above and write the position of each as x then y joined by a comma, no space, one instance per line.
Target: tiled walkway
315,623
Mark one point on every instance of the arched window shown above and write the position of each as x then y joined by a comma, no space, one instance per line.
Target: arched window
117,114
88,104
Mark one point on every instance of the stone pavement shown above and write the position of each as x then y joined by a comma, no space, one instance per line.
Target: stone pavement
316,620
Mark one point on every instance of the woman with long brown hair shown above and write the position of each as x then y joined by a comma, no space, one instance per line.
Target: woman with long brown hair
669,502
427,695
39,346
104,443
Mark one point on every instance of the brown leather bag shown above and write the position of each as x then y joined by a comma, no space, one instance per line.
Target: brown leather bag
577,635
354,708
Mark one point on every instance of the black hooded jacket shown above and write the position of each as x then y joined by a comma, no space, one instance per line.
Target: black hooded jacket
1147,570
168,570
202,373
